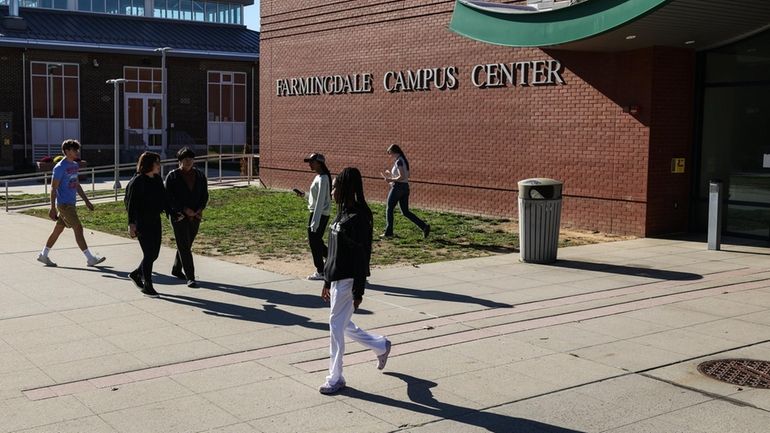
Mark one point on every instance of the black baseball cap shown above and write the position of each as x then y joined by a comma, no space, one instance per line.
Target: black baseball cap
316,157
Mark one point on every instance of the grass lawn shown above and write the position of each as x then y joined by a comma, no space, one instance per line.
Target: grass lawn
272,225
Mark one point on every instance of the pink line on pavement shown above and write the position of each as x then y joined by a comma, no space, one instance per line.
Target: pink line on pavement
543,322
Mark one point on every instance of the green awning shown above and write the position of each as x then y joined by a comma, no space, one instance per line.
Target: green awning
520,26
612,25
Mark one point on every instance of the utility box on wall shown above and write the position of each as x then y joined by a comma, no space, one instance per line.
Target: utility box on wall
6,141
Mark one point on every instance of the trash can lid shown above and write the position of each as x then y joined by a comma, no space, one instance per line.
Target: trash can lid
540,189
539,181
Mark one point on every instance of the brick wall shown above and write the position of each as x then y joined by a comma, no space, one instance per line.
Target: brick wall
187,96
671,136
468,147
11,99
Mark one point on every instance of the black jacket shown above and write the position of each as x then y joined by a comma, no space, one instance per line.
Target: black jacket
145,199
350,249
180,196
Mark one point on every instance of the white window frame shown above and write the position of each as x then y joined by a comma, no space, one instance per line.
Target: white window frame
47,132
231,133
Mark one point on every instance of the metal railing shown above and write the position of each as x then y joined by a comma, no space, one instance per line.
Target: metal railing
104,177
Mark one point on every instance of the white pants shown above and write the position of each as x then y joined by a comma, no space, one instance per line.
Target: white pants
340,325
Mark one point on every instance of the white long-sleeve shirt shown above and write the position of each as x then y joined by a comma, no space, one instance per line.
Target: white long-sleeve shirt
318,200
400,171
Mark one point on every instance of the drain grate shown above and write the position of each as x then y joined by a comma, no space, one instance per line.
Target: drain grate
742,372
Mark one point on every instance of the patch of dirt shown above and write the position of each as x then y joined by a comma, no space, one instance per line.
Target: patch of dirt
295,266
584,237
573,236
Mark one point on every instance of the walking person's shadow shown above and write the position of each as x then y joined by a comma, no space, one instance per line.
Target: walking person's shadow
421,400
435,295
269,314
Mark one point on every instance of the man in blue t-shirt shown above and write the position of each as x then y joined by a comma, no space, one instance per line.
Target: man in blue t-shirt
65,187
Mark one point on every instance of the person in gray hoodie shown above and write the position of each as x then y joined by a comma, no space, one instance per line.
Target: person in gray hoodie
319,206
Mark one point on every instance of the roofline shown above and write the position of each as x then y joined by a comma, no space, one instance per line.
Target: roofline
107,48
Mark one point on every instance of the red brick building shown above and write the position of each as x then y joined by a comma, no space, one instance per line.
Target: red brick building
610,120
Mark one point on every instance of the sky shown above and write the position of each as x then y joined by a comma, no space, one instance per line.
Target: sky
251,16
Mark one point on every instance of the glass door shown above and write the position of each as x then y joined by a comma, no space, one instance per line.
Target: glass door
735,135
736,150
144,119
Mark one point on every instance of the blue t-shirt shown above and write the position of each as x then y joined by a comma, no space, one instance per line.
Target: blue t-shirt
66,172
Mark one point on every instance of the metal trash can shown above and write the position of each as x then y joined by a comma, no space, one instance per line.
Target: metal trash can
539,218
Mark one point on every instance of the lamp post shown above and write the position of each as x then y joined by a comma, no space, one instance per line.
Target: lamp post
116,84
164,104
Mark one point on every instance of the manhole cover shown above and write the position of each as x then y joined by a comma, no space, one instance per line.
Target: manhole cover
742,372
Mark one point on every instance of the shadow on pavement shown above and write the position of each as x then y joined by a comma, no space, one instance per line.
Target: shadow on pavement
626,270
753,253
498,249
422,401
268,295
435,295
270,314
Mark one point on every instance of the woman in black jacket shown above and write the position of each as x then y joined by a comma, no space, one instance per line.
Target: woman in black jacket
350,248
145,201
188,193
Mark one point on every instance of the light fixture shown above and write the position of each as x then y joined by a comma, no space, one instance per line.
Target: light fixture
116,83
95,63
631,109
164,100
689,42
629,37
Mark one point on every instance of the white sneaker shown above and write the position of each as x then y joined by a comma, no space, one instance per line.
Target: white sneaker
45,260
383,359
331,388
95,260
316,276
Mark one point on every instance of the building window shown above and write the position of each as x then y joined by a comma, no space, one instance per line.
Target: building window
46,4
187,10
191,10
55,94
55,91
143,80
227,110
118,7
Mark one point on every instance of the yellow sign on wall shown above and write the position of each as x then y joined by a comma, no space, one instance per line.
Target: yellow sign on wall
677,165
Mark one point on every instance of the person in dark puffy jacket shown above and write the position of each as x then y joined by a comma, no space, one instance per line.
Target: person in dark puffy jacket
347,266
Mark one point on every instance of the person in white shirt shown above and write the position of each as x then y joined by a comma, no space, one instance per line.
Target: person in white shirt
398,177
319,205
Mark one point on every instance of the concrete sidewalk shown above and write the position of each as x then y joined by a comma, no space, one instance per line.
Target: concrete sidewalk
606,340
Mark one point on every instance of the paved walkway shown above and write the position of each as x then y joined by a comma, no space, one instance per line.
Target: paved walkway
606,340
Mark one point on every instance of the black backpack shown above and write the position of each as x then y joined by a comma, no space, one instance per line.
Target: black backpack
129,190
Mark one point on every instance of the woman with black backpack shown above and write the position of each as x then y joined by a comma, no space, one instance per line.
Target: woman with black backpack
350,249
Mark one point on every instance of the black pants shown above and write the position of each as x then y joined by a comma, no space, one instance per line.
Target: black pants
316,241
149,239
185,232
399,195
